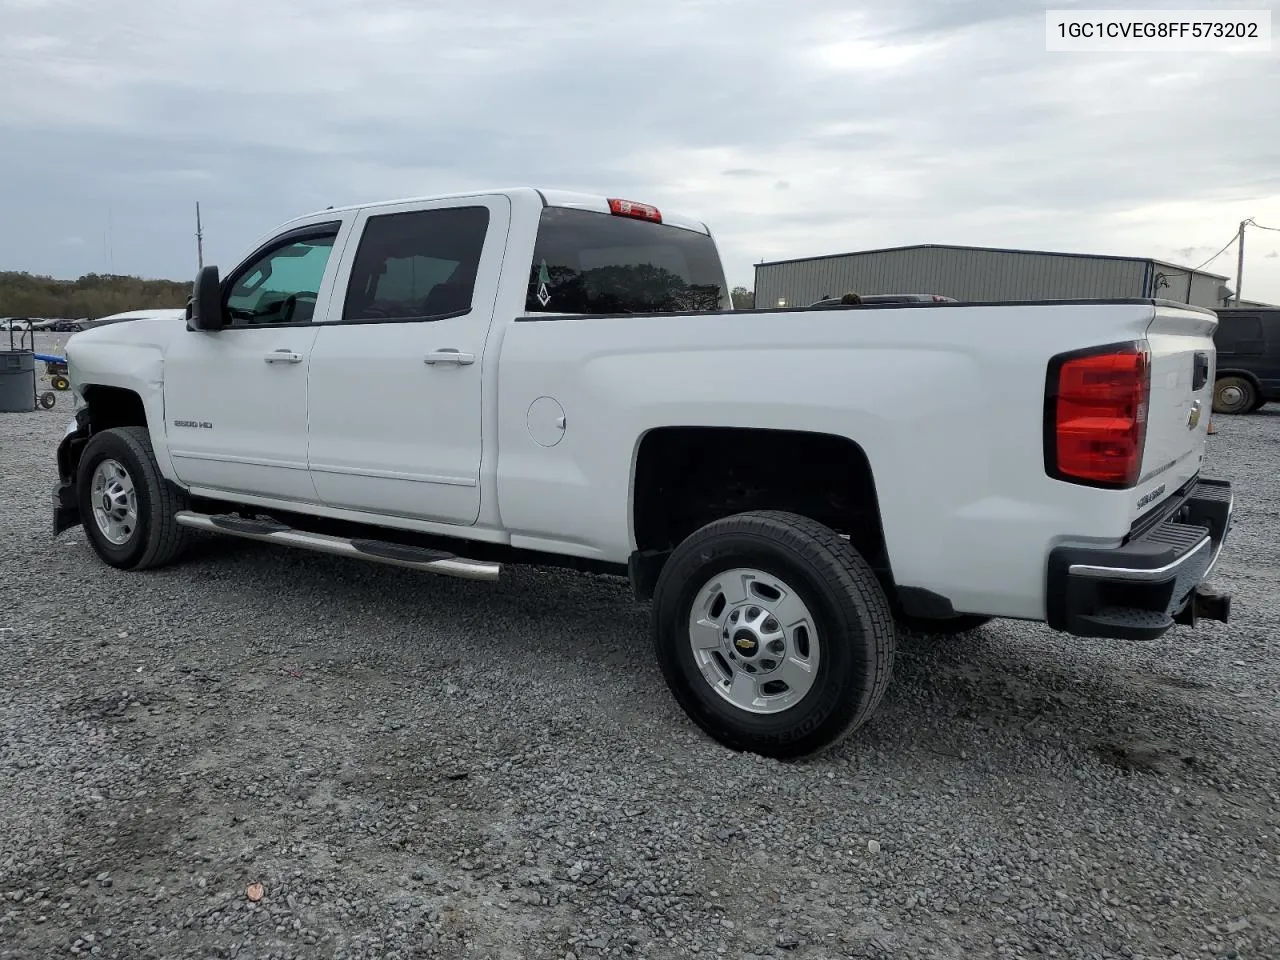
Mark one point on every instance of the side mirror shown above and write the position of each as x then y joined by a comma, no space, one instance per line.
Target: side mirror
204,309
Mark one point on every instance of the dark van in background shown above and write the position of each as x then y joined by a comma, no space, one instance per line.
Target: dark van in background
1248,343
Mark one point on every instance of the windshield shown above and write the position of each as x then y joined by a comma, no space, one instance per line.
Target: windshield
586,262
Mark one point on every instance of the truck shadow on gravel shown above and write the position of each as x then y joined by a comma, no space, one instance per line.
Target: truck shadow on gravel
984,693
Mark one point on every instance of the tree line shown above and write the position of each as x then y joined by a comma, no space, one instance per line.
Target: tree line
91,296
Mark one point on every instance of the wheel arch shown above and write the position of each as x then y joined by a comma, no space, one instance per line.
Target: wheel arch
1242,374
105,406
684,476
111,406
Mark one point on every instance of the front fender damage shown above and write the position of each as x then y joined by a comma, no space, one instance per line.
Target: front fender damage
66,499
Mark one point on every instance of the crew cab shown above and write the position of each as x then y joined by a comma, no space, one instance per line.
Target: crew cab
531,376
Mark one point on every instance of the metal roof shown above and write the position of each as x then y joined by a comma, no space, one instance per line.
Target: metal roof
955,246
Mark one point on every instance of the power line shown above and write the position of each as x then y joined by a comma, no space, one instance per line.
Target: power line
1233,239
1238,238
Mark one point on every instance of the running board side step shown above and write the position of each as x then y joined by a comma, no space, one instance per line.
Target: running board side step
379,551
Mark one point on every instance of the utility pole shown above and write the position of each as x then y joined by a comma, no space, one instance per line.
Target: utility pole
1240,261
199,240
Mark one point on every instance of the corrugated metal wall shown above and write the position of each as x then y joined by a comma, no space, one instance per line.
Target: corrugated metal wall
1174,283
1204,290
966,275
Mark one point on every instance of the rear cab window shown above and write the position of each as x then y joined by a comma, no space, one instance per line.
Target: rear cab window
587,262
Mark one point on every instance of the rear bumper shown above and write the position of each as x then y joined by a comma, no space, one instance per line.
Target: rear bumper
1139,590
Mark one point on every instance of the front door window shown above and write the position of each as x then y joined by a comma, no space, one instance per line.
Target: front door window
282,285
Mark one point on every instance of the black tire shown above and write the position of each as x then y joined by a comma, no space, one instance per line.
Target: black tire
950,627
850,612
156,539
1233,395
48,400
60,382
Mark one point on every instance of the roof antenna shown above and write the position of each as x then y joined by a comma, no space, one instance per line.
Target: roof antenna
199,240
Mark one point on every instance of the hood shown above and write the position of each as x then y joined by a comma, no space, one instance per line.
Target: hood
134,315
139,331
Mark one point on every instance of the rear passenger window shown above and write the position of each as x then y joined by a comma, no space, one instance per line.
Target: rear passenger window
417,266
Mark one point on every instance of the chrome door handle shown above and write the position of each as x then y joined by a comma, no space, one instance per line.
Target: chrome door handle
449,355
283,355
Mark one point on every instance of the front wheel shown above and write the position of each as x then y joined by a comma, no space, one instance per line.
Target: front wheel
773,633
126,505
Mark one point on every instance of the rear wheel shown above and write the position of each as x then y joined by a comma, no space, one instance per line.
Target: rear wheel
1234,395
126,506
773,633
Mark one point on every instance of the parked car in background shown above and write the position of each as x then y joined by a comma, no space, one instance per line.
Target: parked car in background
1248,342
875,298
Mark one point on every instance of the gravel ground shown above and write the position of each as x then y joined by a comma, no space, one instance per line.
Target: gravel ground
423,767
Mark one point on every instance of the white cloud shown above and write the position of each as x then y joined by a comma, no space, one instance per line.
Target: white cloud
794,127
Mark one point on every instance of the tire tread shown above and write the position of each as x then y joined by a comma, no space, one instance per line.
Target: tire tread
865,606
166,538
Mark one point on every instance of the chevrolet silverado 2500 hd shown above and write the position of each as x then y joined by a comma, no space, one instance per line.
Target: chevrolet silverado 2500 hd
453,383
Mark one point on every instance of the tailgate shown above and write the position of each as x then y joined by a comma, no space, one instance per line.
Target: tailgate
1183,361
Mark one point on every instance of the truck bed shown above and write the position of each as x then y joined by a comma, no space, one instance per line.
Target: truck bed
936,396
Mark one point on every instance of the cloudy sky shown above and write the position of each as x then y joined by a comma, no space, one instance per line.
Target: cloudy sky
794,127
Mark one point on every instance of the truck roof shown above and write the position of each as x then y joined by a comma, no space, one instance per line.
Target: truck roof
548,197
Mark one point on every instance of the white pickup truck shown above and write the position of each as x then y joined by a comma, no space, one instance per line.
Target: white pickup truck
531,376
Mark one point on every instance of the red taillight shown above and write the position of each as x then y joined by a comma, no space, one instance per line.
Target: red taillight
639,211
1096,416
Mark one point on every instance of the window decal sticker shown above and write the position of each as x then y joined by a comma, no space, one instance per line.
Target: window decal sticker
544,277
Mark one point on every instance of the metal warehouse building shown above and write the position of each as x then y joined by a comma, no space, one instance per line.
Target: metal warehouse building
982,273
